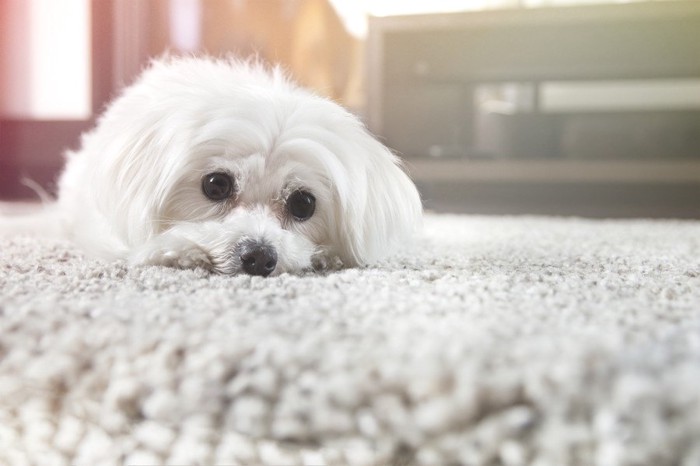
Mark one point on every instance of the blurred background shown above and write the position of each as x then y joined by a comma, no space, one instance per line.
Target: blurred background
560,107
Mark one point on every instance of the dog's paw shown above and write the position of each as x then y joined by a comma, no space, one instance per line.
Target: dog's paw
324,263
182,254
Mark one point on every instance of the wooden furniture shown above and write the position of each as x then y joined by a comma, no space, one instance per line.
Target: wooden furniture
426,74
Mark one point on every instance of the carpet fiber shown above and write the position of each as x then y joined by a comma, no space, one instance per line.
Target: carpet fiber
496,341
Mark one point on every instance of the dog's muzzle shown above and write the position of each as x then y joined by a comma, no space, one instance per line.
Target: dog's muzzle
257,258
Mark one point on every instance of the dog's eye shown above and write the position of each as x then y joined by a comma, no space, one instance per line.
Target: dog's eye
218,186
301,205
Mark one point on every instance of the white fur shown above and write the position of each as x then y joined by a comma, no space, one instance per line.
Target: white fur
133,190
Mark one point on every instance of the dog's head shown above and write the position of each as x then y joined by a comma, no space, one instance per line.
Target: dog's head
261,175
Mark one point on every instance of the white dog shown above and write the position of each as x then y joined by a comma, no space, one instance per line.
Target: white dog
227,165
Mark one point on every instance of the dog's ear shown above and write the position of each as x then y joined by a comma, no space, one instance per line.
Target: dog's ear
383,210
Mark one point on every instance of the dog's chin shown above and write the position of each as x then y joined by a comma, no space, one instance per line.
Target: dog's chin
232,247
288,254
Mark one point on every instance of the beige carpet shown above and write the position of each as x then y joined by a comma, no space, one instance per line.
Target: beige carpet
497,341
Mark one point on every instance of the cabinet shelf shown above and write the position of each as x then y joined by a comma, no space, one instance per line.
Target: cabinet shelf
555,171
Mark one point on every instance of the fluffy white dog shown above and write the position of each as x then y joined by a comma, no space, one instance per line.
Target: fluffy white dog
227,165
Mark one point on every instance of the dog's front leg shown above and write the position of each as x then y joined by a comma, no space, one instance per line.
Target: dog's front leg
170,250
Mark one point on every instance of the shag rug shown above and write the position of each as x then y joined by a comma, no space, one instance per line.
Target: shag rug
495,341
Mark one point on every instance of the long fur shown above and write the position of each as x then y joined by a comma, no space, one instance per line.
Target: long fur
133,189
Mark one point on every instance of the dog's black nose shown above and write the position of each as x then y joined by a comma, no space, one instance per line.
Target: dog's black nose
257,258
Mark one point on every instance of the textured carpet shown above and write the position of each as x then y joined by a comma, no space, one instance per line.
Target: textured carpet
497,341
